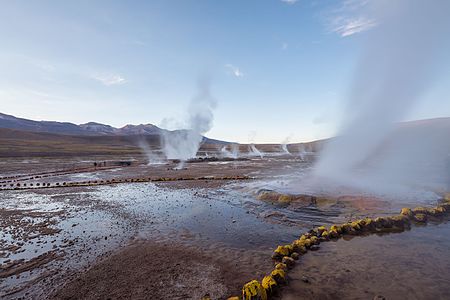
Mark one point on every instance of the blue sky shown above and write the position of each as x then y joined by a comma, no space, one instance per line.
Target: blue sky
279,69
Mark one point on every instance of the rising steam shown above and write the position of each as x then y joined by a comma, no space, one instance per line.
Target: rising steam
232,153
184,144
400,60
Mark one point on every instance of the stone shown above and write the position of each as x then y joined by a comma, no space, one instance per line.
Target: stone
279,276
406,212
269,284
288,261
295,255
420,218
253,291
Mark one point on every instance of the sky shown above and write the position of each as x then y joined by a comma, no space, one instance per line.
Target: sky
280,70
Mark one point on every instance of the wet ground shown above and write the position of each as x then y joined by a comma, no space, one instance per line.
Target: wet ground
408,265
51,236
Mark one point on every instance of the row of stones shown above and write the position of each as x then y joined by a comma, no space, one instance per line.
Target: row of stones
16,178
21,186
286,255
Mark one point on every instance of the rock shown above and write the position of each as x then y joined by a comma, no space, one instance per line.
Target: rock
420,210
279,276
253,291
400,221
305,279
314,240
295,255
314,248
355,225
321,229
336,228
379,297
269,284
434,212
288,261
282,251
420,218
333,234
325,235
406,212
281,266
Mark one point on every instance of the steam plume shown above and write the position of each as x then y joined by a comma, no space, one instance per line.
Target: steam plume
232,153
400,60
184,144
152,157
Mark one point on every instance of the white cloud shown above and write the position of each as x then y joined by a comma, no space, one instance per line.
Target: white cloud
109,79
349,26
289,1
350,17
234,70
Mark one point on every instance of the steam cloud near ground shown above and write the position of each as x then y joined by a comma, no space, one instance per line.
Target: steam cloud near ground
401,59
183,144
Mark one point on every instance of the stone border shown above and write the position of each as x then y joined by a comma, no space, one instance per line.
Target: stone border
46,185
285,256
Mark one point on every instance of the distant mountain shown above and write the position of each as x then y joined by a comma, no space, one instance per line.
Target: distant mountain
91,128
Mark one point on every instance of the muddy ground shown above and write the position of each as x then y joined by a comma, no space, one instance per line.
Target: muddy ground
178,239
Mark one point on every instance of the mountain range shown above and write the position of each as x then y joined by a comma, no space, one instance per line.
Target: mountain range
91,128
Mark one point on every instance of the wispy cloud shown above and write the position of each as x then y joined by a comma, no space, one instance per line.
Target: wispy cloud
349,26
350,17
235,71
290,2
109,79
284,46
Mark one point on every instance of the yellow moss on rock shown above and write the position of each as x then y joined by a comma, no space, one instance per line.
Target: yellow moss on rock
285,199
407,212
334,234
279,275
269,284
336,228
253,291
325,235
321,229
281,266
433,212
282,251
420,218
355,225
299,246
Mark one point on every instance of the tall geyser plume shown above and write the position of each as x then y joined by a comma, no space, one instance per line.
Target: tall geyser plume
401,58
183,144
